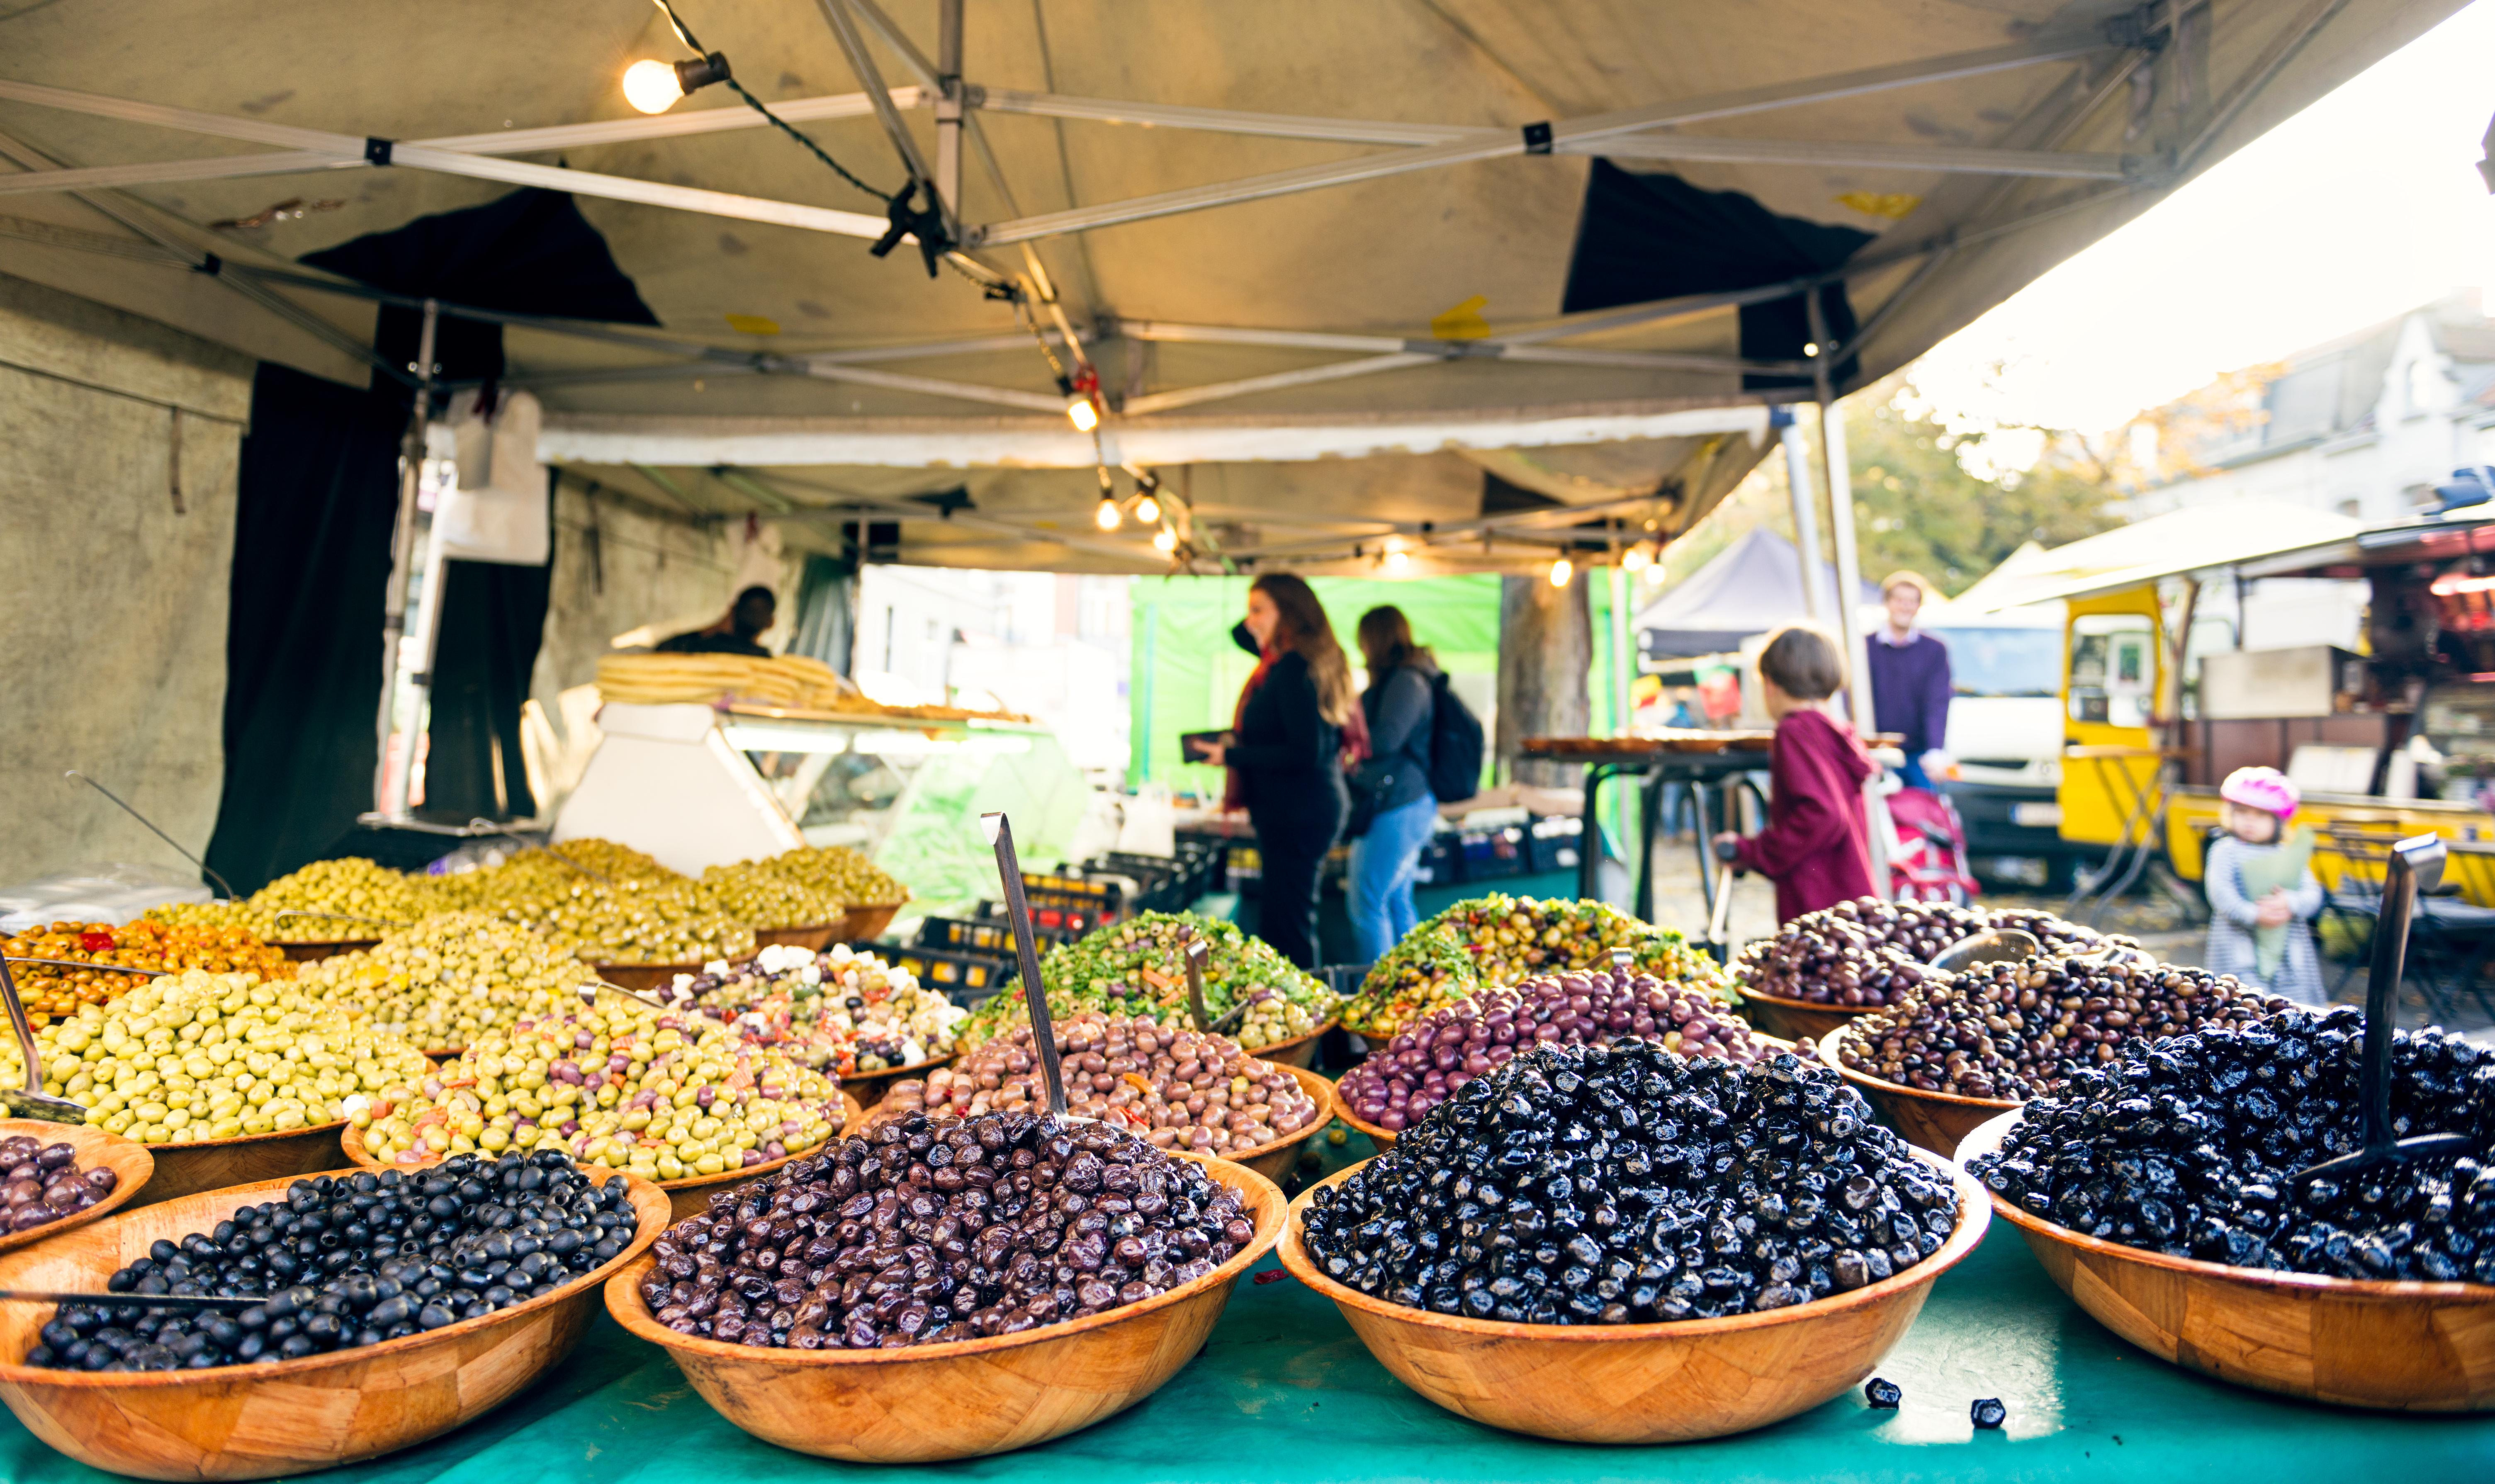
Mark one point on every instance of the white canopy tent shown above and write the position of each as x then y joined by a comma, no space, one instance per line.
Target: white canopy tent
1315,255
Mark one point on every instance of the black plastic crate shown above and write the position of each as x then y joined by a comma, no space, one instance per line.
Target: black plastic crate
1439,861
990,934
1553,842
1492,853
1052,915
963,977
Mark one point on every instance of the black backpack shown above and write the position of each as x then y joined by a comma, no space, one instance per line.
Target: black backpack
1455,745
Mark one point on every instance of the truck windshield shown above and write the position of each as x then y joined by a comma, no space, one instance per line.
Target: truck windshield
2004,661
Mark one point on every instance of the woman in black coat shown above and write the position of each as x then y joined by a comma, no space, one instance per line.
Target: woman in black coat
1286,755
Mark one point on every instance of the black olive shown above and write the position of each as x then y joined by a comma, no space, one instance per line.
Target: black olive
1883,1394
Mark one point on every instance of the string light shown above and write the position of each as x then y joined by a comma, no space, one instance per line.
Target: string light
652,86
1561,570
1083,415
1106,515
1399,560
1634,559
1147,509
1811,349
1165,540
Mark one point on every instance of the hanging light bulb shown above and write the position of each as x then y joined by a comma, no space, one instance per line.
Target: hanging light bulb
1399,562
1106,516
1083,415
1147,509
652,86
1561,570
1165,540
1634,559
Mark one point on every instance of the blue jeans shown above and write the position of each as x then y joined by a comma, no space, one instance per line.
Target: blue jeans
1380,881
1911,773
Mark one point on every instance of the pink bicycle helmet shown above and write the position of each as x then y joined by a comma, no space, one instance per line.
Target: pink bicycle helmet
2263,788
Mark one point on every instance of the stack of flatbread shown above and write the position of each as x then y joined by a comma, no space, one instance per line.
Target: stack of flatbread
789,682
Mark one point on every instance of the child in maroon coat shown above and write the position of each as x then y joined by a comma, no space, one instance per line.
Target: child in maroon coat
1816,848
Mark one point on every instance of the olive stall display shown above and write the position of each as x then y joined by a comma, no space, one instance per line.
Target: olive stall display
450,978
1866,953
636,921
1491,942
838,871
758,896
1177,1088
197,1056
353,1260
41,1183
1430,1062
347,900
662,1094
539,876
2013,1031
1624,1184
2191,1148
933,1230
844,1011
50,991
1138,968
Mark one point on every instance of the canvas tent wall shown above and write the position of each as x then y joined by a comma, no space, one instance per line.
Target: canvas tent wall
1749,588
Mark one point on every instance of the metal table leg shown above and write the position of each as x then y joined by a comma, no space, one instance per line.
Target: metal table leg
1650,807
1589,836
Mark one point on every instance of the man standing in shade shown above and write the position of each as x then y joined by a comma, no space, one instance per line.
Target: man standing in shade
1910,680
738,634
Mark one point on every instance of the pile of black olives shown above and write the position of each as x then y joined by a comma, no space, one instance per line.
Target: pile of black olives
951,1229
351,1261
45,1184
1431,1060
2188,1146
1619,1185
2013,1031
1868,952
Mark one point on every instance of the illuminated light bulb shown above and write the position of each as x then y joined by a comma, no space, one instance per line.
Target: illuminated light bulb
1147,509
1106,517
1634,559
1165,540
1399,562
1811,349
1561,570
1083,415
652,86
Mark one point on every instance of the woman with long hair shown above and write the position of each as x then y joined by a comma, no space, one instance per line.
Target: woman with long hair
1392,786
1297,718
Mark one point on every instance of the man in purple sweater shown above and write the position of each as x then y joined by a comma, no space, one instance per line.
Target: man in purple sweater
1910,678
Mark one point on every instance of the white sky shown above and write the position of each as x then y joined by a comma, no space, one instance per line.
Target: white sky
2367,203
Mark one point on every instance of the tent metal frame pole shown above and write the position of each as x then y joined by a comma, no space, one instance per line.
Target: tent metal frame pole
844,27
949,108
1805,518
390,784
2051,47
1839,476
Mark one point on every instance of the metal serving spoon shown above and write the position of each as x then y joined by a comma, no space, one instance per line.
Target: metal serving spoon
1992,946
33,1102
1043,1031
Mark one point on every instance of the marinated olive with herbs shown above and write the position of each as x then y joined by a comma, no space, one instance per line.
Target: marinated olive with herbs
2190,1147
450,978
842,1011
1492,941
352,1260
1617,1185
926,1231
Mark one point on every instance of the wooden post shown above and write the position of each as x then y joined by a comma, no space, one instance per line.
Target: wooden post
1546,651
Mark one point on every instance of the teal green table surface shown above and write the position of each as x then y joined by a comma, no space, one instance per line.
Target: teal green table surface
1284,1391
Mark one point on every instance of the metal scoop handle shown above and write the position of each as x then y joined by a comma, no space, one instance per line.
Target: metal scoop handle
2415,867
1035,993
117,799
79,963
1195,953
182,1301
34,1101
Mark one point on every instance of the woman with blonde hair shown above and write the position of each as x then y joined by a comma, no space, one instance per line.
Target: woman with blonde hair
1296,723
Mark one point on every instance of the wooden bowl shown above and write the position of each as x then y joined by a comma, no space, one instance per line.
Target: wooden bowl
1642,1384
643,977
307,952
273,1417
1297,1051
1274,1161
131,1164
871,1085
689,1196
187,1169
2401,1346
1795,1020
813,940
1933,1121
964,1397
866,924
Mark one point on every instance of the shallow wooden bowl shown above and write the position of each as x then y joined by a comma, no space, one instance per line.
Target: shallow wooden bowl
2401,1346
690,1197
307,952
187,1169
813,940
871,1085
1795,1020
1642,1384
866,924
131,1164
1297,1051
282,1416
644,977
966,1398
1933,1121
1274,1161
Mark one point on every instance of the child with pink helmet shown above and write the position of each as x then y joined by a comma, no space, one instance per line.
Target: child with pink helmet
2262,894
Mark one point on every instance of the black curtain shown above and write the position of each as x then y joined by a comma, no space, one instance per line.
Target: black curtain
1646,237
319,494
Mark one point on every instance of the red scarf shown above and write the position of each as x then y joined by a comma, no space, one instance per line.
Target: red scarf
1355,729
